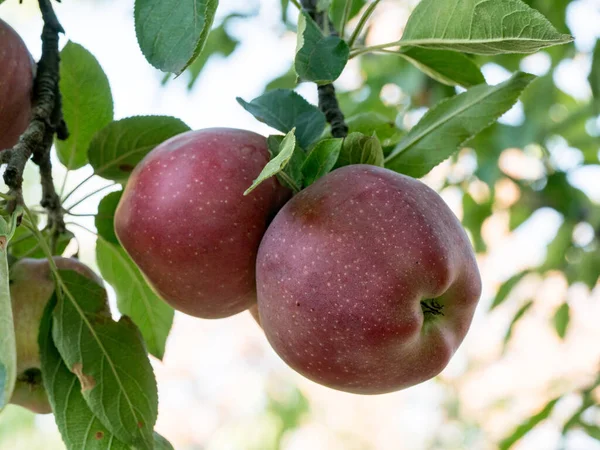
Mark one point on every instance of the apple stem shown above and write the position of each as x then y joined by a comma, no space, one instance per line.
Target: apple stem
46,121
328,102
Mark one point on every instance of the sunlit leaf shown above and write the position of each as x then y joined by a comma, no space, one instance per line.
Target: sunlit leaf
172,33
452,122
278,163
483,27
87,103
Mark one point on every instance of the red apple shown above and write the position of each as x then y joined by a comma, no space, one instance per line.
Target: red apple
367,282
185,222
16,83
31,286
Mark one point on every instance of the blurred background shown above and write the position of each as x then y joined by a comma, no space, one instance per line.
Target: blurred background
527,190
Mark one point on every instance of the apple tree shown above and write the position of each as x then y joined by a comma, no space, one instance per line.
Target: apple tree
360,275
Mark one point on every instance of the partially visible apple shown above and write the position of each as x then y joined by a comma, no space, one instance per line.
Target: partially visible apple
254,312
31,286
366,281
16,84
186,223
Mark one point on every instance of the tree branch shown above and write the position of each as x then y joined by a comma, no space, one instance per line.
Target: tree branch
46,120
328,102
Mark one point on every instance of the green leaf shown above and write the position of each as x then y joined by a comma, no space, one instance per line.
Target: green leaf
506,288
135,298
561,320
373,122
557,248
278,163
360,149
77,424
594,77
87,103
481,27
592,431
284,109
121,145
109,359
528,425
319,58
25,245
474,214
336,11
451,68
321,160
291,176
520,313
452,122
105,218
8,348
172,33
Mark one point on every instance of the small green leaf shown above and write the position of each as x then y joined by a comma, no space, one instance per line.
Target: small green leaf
121,145
105,218
319,58
135,298
451,68
77,424
278,163
109,359
87,103
284,109
561,320
321,160
172,33
8,348
452,122
506,288
528,425
482,27
360,149
520,313
291,176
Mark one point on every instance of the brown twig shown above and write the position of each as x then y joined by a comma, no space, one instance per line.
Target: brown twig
46,121
328,102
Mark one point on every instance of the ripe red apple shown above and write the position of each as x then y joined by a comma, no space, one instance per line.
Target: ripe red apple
367,282
16,83
31,286
185,222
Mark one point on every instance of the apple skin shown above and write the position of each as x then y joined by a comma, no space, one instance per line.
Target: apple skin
254,313
185,222
16,84
341,274
31,287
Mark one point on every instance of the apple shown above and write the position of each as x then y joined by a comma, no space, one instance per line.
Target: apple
254,313
367,282
185,222
31,286
16,84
